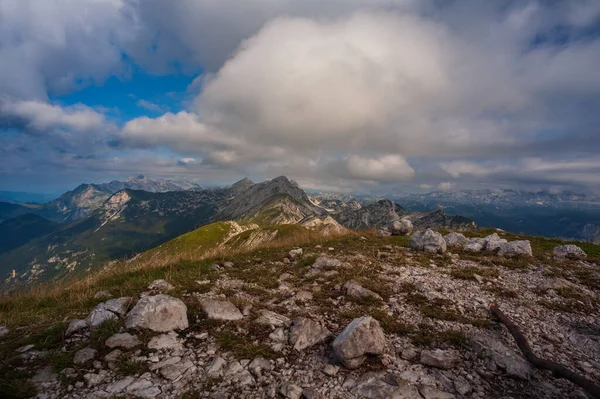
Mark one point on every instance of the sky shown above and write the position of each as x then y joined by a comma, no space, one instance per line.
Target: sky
339,95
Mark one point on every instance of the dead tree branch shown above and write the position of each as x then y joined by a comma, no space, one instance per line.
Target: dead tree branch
557,370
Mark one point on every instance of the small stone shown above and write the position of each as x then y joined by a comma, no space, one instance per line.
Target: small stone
278,335
26,348
123,340
290,391
409,354
215,367
174,371
91,380
355,290
3,331
113,356
148,393
139,384
109,310
120,385
76,326
259,365
305,333
160,286
331,370
311,393
273,319
304,296
295,253
326,262
433,393
102,295
165,341
84,355
439,358
221,310
462,386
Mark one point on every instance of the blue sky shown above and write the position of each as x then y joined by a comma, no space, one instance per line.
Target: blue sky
343,95
139,93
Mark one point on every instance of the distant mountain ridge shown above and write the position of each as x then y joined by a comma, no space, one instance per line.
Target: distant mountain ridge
381,213
132,221
86,198
565,215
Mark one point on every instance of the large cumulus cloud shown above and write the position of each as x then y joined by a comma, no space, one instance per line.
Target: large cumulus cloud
342,93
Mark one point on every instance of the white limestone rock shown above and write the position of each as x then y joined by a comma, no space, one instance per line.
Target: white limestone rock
428,241
569,251
160,313
363,336
305,333
221,310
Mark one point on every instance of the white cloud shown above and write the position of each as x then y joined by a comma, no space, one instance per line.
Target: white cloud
55,46
38,115
325,91
149,106
386,168
315,96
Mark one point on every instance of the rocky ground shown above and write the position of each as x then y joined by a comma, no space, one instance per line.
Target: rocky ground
366,317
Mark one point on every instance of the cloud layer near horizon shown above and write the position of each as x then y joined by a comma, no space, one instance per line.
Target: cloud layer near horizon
353,94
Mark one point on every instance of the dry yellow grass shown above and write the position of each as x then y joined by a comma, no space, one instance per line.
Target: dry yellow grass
43,304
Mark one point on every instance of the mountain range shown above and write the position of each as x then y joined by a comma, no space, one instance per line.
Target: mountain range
86,198
97,226
566,215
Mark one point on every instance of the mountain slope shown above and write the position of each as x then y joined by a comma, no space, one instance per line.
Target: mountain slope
271,202
379,214
86,198
382,213
129,222
22,229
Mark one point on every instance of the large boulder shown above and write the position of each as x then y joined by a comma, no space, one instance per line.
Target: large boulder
402,227
428,241
221,310
363,336
305,333
455,240
568,251
516,248
160,313
475,244
493,242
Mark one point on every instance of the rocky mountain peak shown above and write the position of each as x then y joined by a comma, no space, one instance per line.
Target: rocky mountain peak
256,197
242,185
